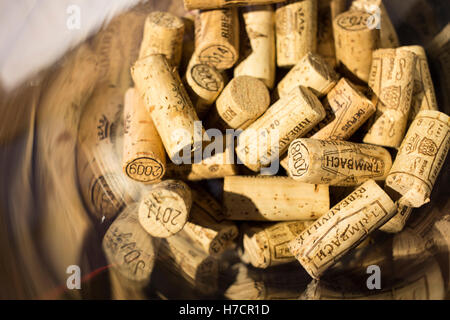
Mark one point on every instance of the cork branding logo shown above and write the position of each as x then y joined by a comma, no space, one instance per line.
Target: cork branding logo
391,96
353,160
427,147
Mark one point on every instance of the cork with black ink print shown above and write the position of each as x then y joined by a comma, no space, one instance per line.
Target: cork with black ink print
392,83
129,248
337,163
355,42
169,105
267,245
207,225
265,140
347,108
296,31
217,38
164,209
342,228
420,158
144,157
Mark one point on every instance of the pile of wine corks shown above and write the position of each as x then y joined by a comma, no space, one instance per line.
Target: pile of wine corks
291,117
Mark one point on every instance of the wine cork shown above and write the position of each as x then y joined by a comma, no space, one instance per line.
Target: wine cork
267,245
163,34
312,72
337,163
380,19
423,97
168,103
398,221
349,109
269,136
296,31
204,84
129,249
342,228
214,4
355,42
420,158
268,198
217,37
144,157
103,186
392,81
180,255
243,100
165,209
207,226
260,28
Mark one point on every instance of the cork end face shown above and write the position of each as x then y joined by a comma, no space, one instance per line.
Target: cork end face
256,246
313,102
354,21
163,213
298,162
250,95
145,170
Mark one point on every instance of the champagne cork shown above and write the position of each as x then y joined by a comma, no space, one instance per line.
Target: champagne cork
268,198
312,72
398,221
380,19
260,28
179,254
165,209
296,31
168,103
349,109
217,38
144,157
129,249
424,97
355,42
163,34
392,81
269,136
268,245
243,100
207,226
420,158
337,163
204,84
214,4
342,228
